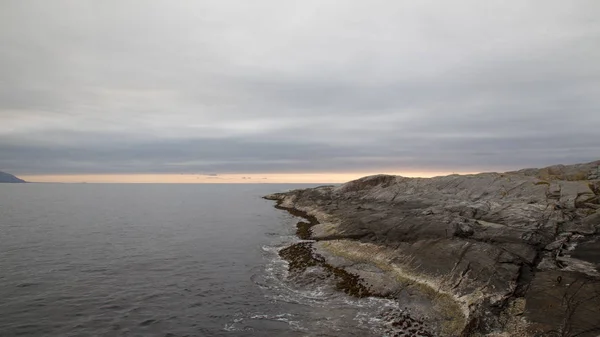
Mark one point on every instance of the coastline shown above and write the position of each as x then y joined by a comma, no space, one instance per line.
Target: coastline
491,254
337,255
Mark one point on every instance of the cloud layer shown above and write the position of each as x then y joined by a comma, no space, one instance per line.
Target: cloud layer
311,86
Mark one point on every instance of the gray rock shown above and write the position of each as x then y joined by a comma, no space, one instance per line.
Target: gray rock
556,244
479,238
592,220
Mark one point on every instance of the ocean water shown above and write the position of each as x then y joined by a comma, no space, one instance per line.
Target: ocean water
160,260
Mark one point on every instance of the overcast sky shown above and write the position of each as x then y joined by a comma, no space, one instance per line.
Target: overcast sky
297,86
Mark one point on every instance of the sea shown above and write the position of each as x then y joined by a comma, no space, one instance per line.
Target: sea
161,260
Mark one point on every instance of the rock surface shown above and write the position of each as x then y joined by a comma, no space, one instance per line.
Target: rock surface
9,178
490,254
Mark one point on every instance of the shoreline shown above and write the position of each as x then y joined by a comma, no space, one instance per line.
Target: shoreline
322,252
492,254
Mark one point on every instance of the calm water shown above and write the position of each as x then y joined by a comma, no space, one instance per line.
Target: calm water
159,260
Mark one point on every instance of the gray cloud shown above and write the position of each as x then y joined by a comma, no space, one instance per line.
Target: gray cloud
273,86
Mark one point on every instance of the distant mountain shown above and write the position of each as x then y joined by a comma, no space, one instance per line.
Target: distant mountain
9,178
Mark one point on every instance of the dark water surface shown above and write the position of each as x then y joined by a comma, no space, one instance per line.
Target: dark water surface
159,260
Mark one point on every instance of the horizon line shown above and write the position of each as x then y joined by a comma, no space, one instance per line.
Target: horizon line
233,178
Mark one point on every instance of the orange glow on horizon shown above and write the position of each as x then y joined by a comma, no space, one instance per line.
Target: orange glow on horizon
219,179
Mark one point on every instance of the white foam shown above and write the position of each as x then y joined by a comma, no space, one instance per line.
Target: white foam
278,287
230,327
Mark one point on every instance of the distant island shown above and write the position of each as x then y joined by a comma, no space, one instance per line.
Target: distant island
9,178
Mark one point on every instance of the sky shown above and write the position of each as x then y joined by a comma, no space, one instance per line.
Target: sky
164,91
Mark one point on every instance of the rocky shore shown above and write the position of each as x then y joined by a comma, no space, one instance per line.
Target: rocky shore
490,254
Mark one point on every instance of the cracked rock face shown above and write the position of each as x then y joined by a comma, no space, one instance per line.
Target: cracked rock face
492,242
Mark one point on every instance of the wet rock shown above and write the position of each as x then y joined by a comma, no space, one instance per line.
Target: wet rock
565,302
463,230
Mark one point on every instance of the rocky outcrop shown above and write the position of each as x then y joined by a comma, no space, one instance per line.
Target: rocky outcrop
512,254
9,178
